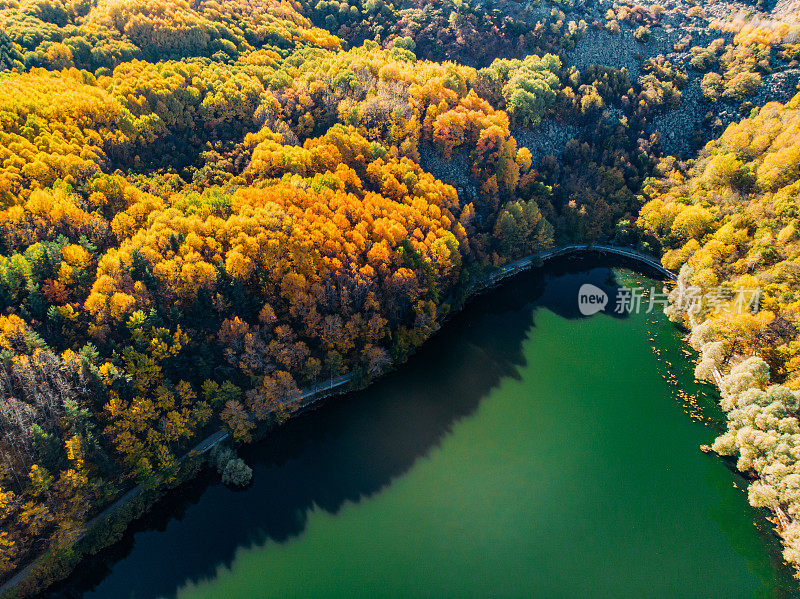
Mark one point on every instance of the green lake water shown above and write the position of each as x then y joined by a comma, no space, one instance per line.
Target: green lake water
524,452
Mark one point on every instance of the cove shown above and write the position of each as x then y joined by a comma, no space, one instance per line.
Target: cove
525,451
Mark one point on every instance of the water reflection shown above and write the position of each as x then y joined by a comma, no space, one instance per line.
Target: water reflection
347,450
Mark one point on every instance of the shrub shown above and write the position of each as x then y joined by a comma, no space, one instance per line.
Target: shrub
233,469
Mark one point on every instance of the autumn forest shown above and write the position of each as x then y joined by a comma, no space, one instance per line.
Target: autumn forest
207,207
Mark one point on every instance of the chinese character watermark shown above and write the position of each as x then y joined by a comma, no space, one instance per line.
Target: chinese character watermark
689,299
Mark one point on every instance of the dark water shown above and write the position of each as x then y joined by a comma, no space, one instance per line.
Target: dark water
525,452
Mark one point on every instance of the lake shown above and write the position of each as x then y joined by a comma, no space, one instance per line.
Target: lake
525,451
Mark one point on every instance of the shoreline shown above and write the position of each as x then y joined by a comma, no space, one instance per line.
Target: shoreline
14,587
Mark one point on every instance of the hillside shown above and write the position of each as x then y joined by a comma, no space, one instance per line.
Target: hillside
206,206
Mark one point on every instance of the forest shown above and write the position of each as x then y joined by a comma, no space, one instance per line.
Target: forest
208,206
729,221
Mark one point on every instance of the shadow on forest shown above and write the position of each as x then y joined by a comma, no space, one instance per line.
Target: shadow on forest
347,450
